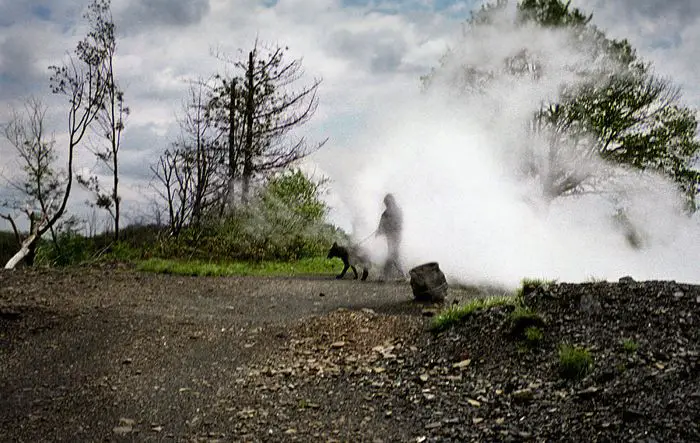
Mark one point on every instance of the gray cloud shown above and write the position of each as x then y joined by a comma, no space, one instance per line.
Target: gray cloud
380,51
142,14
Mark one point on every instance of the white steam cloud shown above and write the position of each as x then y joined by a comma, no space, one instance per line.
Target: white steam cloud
452,161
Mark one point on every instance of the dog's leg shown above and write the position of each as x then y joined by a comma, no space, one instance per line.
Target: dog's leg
342,274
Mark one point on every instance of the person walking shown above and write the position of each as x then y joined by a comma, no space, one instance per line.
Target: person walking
391,226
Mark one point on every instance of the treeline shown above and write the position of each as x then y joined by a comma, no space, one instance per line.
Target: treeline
228,185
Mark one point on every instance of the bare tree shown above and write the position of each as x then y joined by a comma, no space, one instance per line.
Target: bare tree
258,111
83,80
187,176
111,118
40,184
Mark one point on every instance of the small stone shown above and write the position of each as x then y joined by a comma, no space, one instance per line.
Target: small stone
433,425
157,428
423,378
379,369
127,361
473,402
462,364
588,392
523,395
477,420
631,415
678,294
428,396
337,344
122,430
290,431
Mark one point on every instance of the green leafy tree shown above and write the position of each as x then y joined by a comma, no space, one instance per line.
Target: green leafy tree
618,111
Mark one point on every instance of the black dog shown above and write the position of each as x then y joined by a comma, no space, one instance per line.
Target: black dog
351,256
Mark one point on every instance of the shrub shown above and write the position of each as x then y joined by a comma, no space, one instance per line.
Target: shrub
522,318
454,315
533,336
630,346
574,362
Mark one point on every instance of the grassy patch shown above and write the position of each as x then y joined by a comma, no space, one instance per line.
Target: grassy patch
308,266
533,336
630,346
574,362
523,318
456,314
529,285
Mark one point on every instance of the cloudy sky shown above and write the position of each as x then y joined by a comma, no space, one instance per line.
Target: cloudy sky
368,53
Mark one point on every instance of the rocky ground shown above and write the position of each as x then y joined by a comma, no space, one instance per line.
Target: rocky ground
91,354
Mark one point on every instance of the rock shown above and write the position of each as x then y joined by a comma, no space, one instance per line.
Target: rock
462,364
523,395
337,344
678,294
125,426
433,425
629,415
588,392
626,280
428,283
122,430
423,378
473,402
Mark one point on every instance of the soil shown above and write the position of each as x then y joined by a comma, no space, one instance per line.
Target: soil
111,354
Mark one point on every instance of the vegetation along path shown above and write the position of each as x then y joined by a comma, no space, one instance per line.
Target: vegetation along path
112,354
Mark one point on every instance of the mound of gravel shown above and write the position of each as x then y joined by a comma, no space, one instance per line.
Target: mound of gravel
486,383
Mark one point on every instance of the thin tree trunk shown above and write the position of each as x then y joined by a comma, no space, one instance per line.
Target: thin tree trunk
115,197
248,153
232,157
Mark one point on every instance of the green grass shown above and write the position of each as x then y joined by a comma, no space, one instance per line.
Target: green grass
530,284
533,336
309,266
454,315
522,318
630,346
574,362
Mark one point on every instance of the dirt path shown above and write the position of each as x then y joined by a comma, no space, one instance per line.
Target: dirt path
93,354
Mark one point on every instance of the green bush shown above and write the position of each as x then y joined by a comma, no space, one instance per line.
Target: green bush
574,362
285,221
630,346
455,315
533,336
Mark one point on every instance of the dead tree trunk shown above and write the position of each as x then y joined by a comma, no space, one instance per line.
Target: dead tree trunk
249,110
232,148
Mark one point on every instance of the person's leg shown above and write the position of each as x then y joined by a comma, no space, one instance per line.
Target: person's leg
393,262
